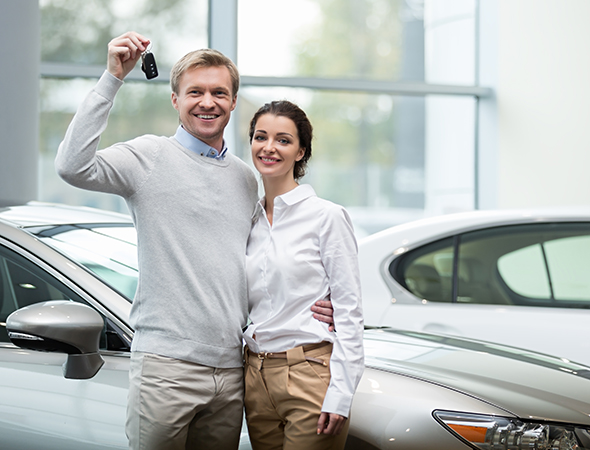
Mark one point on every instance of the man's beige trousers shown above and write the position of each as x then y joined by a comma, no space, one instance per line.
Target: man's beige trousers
179,405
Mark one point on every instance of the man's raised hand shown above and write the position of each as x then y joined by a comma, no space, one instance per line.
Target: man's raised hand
124,52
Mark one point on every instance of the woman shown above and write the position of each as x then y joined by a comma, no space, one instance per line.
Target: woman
300,377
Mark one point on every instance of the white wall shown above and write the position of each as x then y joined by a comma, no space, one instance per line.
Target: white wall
543,96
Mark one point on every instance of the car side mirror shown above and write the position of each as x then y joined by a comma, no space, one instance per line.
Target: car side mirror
60,326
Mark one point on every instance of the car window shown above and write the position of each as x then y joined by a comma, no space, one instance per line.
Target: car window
428,271
532,282
528,265
109,251
566,262
22,283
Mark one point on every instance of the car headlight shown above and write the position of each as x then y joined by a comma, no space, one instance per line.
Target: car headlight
492,432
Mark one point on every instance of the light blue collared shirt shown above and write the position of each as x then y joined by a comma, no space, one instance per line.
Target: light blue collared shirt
196,145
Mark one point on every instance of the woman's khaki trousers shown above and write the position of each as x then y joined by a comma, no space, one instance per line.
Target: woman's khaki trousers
284,396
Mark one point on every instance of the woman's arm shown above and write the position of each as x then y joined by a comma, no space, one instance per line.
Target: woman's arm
339,252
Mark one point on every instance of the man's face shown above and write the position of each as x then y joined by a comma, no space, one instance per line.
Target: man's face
204,103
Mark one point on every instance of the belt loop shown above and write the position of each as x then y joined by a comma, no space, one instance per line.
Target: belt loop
295,356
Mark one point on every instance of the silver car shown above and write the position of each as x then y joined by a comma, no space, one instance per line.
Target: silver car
67,276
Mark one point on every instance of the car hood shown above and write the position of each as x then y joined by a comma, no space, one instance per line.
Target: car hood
526,384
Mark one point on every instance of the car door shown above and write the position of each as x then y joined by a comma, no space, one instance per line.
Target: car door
522,285
39,408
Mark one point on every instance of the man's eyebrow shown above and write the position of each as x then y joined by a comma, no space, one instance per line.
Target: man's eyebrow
218,88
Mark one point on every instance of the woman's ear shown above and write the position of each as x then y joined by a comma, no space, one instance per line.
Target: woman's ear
301,154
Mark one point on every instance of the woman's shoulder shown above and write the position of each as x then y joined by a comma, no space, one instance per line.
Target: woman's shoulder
329,211
327,206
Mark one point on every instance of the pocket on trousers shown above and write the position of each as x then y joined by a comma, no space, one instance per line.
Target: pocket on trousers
321,371
308,385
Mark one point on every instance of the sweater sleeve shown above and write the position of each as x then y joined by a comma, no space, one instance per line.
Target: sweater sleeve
119,169
339,256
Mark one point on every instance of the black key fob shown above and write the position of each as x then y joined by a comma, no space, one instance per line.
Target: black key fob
148,65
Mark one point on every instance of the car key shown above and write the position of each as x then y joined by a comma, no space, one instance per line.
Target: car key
148,64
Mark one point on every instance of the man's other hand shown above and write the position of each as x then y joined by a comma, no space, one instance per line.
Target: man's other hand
324,312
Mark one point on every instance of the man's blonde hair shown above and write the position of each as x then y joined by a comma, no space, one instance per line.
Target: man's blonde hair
205,57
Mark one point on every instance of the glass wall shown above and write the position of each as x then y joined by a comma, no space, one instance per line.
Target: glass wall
386,146
367,39
75,35
78,32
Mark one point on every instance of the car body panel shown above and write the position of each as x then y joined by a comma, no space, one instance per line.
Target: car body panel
558,331
396,412
38,405
495,374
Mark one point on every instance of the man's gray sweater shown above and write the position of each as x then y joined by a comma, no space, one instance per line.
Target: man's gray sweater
193,216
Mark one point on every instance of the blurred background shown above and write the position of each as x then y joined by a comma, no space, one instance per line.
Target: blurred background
420,107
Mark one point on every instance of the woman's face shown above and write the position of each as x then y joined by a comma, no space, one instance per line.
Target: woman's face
275,146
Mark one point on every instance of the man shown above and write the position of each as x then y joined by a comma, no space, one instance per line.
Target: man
192,203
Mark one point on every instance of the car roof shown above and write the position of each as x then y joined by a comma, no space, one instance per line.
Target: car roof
443,225
42,214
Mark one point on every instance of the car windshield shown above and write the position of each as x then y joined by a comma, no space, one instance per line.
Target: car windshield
108,250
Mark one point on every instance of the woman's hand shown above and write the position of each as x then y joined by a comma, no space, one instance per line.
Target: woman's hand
329,423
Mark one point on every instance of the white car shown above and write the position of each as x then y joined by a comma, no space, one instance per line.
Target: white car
67,276
516,277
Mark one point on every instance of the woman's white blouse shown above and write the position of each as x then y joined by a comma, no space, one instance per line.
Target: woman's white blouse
308,254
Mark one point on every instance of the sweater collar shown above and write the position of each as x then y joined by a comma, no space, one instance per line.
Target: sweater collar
197,146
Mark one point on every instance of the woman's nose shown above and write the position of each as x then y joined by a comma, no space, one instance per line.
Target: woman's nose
269,146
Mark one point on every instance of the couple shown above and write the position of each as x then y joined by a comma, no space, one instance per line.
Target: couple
195,209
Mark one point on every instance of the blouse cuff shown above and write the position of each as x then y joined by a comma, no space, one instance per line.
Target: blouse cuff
337,404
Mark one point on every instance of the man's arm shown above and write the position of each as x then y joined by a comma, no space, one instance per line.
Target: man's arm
116,171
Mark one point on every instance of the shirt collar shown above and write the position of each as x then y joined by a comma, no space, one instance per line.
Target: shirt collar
300,193
197,146
296,195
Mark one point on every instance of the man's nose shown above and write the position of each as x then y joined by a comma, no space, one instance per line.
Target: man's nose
207,100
